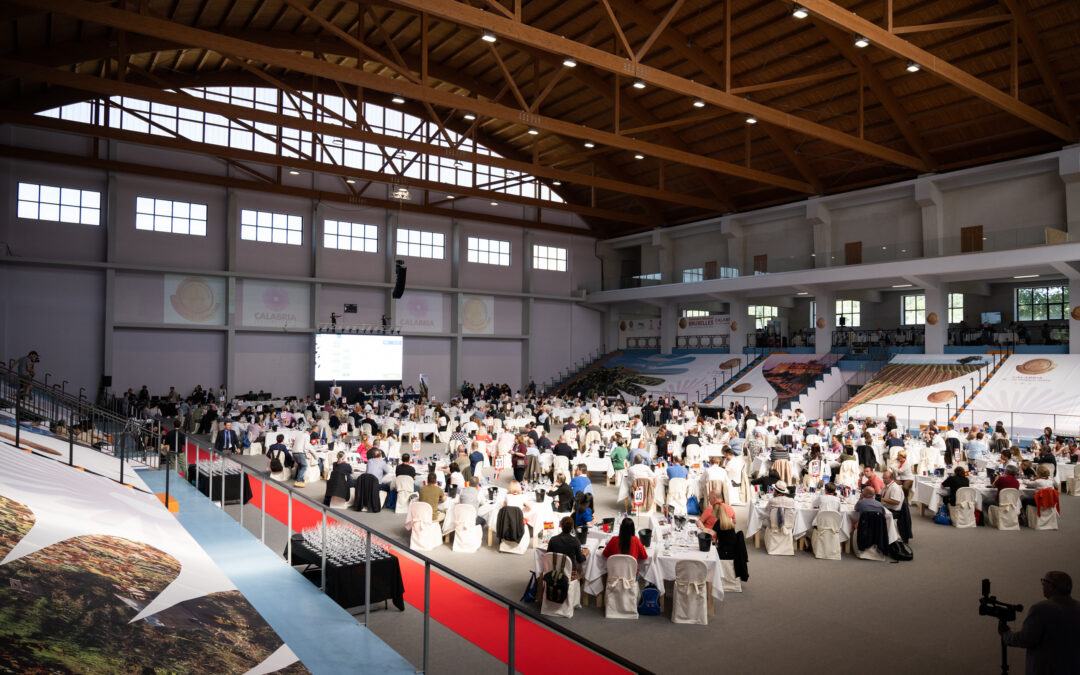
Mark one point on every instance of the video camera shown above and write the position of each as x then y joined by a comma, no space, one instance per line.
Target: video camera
989,605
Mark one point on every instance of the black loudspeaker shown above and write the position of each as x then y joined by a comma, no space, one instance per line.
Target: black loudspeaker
399,279
106,380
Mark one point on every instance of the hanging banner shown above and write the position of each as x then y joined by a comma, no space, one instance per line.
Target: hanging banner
478,314
418,312
273,304
199,300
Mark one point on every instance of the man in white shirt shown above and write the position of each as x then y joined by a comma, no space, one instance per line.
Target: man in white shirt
827,500
892,497
734,466
639,469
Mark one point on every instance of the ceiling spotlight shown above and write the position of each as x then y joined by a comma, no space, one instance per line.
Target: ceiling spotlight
533,131
398,99
590,144
639,156
450,197
350,181
1026,276
569,62
913,67
556,182
470,116
802,293
494,203
639,84
901,285
698,103
861,42
799,12
294,172
750,119
488,36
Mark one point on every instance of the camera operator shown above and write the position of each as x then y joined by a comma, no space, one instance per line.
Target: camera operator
1050,629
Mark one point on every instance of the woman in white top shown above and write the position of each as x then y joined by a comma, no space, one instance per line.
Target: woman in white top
1042,479
901,468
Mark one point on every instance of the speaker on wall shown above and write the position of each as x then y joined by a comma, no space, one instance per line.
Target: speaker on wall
106,380
399,279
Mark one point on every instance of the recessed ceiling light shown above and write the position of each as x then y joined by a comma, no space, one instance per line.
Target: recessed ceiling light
799,12
590,144
813,255
494,203
698,103
450,196
533,131
556,182
802,293
913,67
1025,276
901,285
488,36
750,119
861,42
350,181
569,62
884,247
398,99
294,172
470,116
639,84
639,156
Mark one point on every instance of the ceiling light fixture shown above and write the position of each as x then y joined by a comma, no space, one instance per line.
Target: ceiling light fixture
494,203
799,12
1026,276
698,103
901,285
294,172
802,293
488,36
639,156
639,84
533,131
913,67
861,42
470,116
590,144
398,99
750,119
556,182
569,62
350,181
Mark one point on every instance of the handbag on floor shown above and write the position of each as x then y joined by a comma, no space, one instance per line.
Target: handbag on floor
942,515
649,604
530,589
900,551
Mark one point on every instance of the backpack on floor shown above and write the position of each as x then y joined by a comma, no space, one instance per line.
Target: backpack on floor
900,551
649,604
530,589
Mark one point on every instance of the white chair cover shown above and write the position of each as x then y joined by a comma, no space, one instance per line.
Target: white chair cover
405,487
1005,515
779,539
518,548
732,583
562,465
849,474
468,536
676,495
692,454
963,514
425,535
621,592
573,593
1048,520
745,491
691,603
930,459
393,449
826,537
1073,484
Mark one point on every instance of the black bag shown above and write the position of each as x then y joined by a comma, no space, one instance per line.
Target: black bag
556,583
275,463
530,589
900,551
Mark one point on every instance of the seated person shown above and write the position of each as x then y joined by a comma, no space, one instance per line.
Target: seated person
766,481
892,495
781,498
433,495
713,470
1008,479
708,518
640,470
1041,482
583,512
827,500
867,504
405,468
871,479
580,482
471,495
677,470
567,544
733,464
563,496
901,468
779,452
344,467
953,483
626,543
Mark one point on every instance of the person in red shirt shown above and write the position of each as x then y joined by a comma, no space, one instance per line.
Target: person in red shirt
626,543
871,479
1008,479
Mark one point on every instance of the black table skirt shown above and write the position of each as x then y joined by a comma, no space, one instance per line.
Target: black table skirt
345,584
212,489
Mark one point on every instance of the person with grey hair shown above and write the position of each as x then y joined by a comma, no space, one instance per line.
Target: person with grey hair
1049,629
1009,479
892,495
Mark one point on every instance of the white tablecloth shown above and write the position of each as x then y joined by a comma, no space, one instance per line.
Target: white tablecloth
928,491
806,514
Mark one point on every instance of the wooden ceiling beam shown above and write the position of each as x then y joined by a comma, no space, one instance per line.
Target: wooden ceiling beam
64,159
124,20
950,25
1035,48
451,10
103,87
851,23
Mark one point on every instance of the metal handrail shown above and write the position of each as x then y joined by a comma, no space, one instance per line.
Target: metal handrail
512,605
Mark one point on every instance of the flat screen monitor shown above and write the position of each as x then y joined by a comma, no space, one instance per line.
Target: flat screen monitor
991,317
358,357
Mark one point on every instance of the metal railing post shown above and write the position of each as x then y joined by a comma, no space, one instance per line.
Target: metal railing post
222,482
427,611
243,482
262,524
510,642
18,414
71,446
120,447
367,582
322,582
288,530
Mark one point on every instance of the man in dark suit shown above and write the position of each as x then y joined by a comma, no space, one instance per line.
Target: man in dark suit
227,440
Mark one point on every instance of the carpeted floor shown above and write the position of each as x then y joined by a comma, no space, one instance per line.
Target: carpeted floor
795,613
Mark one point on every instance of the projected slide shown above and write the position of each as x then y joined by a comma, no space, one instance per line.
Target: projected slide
358,357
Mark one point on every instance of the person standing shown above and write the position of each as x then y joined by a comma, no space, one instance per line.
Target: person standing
25,370
1049,629
227,439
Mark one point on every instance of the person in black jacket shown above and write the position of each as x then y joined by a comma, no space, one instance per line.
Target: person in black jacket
730,544
563,495
567,544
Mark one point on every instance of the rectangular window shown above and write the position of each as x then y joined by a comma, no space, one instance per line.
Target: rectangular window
728,272
691,313
914,310
163,215
693,274
61,205
851,310
762,315
274,228
549,258
488,251
420,244
956,307
350,236
1042,303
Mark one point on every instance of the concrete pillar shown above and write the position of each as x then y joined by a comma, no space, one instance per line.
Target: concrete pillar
611,266
669,324
824,321
732,230
937,318
611,328
820,218
666,255
741,324
928,197
1069,170
1074,318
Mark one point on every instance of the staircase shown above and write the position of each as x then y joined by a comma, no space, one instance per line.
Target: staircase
735,378
985,380
570,377
821,390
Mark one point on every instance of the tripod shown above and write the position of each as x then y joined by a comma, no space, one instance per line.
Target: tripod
1003,626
